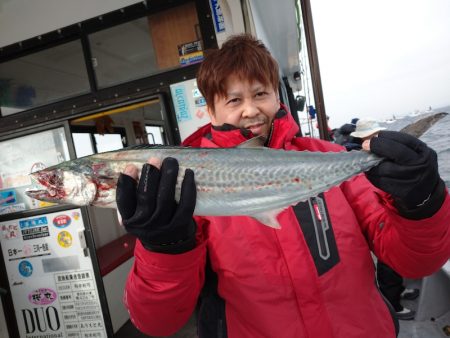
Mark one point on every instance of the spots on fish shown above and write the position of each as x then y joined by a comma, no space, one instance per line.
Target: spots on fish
296,180
96,167
229,189
204,189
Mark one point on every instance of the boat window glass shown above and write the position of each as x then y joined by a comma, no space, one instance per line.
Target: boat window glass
22,156
83,144
98,138
43,77
108,142
155,134
146,46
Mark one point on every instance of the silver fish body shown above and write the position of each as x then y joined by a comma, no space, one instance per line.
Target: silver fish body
257,182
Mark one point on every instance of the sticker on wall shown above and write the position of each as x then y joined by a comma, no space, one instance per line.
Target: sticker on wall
42,296
65,239
196,93
8,209
200,102
34,228
76,215
7,197
219,22
61,221
43,204
28,251
181,103
190,53
25,268
200,113
10,231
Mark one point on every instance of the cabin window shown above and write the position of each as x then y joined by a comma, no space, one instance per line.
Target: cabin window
108,142
89,140
22,156
83,144
43,77
158,42
129,125
155,134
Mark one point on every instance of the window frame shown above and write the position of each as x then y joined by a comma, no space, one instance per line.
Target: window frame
68,108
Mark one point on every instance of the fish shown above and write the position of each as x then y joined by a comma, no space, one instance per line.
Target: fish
247,181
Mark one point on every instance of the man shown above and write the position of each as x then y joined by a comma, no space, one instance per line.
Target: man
344,138
315,276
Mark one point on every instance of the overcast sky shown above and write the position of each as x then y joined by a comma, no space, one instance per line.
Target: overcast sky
383,57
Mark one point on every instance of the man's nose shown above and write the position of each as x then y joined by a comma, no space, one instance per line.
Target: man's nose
250,109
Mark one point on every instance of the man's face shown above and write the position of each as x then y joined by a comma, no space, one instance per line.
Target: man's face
246,105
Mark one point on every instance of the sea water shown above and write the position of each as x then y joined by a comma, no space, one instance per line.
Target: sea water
438,138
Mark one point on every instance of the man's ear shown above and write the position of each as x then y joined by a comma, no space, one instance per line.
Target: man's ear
211,114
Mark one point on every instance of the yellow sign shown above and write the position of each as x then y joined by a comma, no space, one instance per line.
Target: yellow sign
65,239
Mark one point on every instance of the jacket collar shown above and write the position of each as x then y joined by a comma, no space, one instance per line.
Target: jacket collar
283,130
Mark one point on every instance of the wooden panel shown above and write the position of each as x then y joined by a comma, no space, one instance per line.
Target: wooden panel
171,28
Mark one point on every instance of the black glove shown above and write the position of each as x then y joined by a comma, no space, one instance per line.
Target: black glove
409,173
150,211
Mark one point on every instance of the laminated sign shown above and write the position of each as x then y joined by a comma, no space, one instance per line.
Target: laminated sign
52,281
190,53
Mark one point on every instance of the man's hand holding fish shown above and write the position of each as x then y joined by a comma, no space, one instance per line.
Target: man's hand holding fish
149,210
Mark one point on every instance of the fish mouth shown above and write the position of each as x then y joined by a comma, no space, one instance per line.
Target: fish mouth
41,195
44,187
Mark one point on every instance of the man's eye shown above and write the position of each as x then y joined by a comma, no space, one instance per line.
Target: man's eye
261,93
235,100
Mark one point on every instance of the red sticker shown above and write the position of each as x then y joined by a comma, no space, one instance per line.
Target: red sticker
61,221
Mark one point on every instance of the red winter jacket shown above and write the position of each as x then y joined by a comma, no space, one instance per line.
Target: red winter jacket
312,278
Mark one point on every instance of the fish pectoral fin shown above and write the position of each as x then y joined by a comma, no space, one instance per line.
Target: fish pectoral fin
269,218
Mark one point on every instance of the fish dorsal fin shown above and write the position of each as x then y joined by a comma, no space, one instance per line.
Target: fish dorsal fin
254,142
138,147
142,146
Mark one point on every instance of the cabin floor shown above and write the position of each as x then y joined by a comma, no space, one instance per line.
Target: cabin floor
428,328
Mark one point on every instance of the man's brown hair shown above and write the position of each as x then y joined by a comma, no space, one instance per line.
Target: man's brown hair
240,55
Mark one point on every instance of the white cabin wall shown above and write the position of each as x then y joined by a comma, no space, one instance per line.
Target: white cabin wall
234,20
260,26
275,24
24,19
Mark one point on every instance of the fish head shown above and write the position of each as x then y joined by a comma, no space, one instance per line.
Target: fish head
62,186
